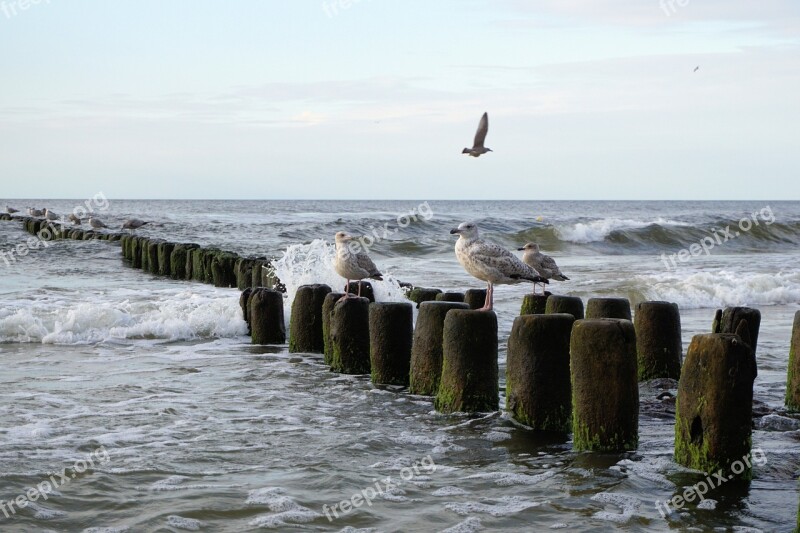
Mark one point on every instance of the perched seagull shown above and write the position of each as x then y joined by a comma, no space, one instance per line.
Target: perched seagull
351,265
543,264
489,262
74,219
49,215
11,210
133,223
480,136
96,223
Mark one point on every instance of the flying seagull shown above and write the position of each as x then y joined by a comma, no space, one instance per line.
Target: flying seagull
696,68
489,262
352,265
480,136
96,223
133,223
543,264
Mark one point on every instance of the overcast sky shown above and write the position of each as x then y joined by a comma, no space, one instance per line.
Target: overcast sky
593,99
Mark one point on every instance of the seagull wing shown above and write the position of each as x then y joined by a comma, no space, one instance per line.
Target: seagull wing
483,129
363,261
497,257
548,263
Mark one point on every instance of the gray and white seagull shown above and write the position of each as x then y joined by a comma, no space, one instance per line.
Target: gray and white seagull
353,265
490,262
480,137
544,264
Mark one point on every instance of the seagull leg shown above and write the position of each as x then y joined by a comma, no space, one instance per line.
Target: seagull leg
346,292
359,288
489,301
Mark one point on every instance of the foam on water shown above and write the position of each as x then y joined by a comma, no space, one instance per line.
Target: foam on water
598,230
167,314
304,264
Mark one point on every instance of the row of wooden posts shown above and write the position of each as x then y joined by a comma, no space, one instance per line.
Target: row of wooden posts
567,371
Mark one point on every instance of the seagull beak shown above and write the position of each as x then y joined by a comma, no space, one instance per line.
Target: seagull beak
455,231
520,249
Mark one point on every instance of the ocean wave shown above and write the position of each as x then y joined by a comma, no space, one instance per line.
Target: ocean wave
170,315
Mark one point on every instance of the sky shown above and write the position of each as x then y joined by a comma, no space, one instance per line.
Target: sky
375,99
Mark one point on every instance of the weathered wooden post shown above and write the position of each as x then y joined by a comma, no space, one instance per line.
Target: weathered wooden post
305,322
605,390
426,351
164,257
469,363
714,410
475,298
534,304
391,328
327,310
731,317
266,317
366,290
244,303
349,325
538,391
572,305
450,297
793,378
658,340
422,294
608,308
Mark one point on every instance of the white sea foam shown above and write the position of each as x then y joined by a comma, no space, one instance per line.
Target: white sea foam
286,511
470,525
721,288
628,504
173,314
503,506
598,230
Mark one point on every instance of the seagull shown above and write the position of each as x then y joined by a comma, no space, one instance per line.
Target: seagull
133,223
35,212
352,265
696,68
543,264
11,210
480,136
49,215
490,262
96,223
74,219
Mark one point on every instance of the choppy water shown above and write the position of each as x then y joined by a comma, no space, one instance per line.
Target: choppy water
204,432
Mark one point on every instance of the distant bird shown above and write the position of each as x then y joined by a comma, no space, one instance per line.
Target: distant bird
480,137
11,210
35,212
490,262
49,215
74,219
352,265
133,223
96,223
543,264
696,68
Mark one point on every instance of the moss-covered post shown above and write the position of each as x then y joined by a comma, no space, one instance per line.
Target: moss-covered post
366,290
451,297
266,317
714,410
538,391
136,251
244,273
658,340
475,298
572,305
349,327
469,381
327,310
426,351
534,304
608,308
793,378
732,316
222,269
305,322
605,390
391,328
164,257
422,294
244,303
177,260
